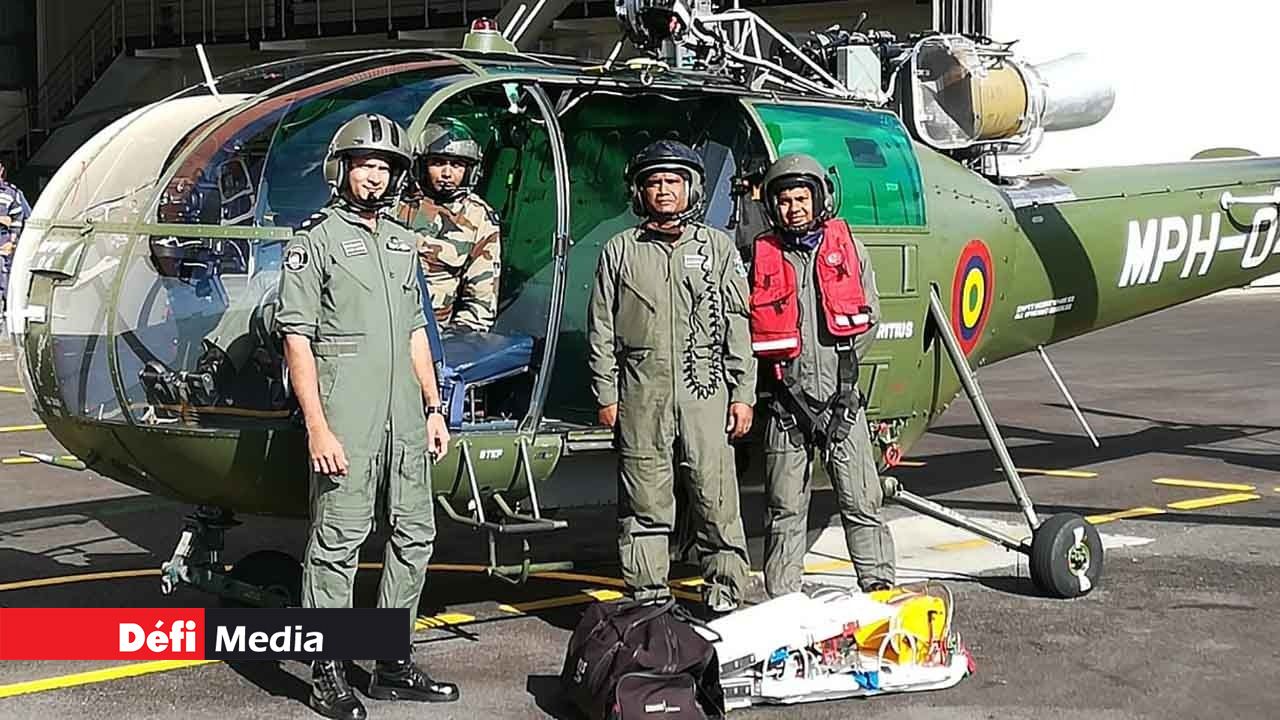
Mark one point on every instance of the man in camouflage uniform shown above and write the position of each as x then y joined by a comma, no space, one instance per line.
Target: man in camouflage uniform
457,230
671,366
350,311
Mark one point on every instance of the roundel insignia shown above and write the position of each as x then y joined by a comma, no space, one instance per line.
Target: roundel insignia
834,258
971,292
296,258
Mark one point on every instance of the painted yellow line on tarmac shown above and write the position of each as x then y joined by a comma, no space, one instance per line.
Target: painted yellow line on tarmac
1213,501
26,460
97,676
971,544
14,390
1079,474
442,620
586,596
22,428
828,566
83,577
1124,515
1178,482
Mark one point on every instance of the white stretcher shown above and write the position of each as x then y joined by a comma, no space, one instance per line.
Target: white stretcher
838,643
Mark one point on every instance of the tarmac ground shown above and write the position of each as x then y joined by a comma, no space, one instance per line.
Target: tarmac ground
1185,488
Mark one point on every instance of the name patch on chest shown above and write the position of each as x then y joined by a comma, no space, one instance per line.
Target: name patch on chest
396,245
692,261
355,248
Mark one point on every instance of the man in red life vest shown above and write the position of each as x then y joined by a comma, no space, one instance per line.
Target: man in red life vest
814,307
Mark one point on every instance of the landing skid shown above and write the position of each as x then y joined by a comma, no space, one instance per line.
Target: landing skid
1065,551
512,524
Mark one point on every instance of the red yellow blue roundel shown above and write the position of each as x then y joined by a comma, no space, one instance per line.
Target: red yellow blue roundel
971,293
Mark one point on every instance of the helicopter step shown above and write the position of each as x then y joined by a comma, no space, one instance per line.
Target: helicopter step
1065,550
266,578
512,524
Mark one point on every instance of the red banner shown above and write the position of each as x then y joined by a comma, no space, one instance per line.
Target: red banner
102,634
144,634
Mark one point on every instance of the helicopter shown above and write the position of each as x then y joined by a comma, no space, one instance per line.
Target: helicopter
142,295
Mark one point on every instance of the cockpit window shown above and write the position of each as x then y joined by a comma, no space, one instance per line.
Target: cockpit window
877,177
192,330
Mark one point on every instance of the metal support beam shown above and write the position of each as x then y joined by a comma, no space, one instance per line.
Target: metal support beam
932,509
1062,386
974,391
520,15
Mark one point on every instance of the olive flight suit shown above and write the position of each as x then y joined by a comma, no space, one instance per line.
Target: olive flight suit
355,294
669,343
850,463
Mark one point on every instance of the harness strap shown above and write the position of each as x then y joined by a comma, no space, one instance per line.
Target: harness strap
844,409
797,414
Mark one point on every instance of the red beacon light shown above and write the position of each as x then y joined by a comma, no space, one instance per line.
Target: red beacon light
484,37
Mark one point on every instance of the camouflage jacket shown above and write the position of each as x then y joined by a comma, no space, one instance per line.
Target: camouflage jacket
461,255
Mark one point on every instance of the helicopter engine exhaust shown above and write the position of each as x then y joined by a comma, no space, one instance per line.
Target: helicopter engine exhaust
959,94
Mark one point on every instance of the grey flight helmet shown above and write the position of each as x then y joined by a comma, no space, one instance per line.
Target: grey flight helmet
798,170
368,134
447,138
669,156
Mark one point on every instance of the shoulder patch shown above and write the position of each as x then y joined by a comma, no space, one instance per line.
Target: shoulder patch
739,266
315,219
296,258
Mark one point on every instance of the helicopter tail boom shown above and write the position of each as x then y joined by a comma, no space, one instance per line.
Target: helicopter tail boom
1106,245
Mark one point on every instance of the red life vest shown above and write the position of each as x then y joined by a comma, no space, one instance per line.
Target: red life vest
775,306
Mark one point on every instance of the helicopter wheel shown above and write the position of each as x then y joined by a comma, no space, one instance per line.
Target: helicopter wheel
271,571
1066,556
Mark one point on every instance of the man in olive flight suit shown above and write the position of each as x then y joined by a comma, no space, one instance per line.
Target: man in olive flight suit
797,197
351,315
671,365
458,239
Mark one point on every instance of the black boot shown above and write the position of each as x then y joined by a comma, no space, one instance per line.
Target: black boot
331,696
402,680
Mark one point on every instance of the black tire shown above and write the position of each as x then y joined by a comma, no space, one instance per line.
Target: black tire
273,572
1066,556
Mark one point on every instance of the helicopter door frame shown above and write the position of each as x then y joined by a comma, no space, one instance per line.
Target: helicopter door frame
560,235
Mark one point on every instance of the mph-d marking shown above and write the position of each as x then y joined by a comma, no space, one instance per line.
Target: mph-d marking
1157,242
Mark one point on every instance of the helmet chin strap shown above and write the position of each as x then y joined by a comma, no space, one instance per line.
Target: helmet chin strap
801,230
445,196
367,204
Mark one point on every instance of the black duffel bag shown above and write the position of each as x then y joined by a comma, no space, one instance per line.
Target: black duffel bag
628,661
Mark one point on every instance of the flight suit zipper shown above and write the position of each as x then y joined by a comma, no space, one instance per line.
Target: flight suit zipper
672,284
386,296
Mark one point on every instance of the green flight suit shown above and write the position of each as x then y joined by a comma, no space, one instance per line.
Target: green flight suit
356,295
670,344
851,463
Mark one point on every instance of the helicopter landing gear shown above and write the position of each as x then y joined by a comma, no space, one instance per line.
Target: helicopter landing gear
512,524
1065,550
266,578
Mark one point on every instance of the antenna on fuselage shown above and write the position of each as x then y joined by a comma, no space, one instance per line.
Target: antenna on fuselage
208,74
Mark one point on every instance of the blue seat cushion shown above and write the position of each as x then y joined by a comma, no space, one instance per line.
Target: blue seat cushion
476,358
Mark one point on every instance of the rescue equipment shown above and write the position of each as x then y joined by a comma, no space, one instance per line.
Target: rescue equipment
839,643
775,303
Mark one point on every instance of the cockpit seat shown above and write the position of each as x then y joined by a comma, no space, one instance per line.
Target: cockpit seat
475,359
